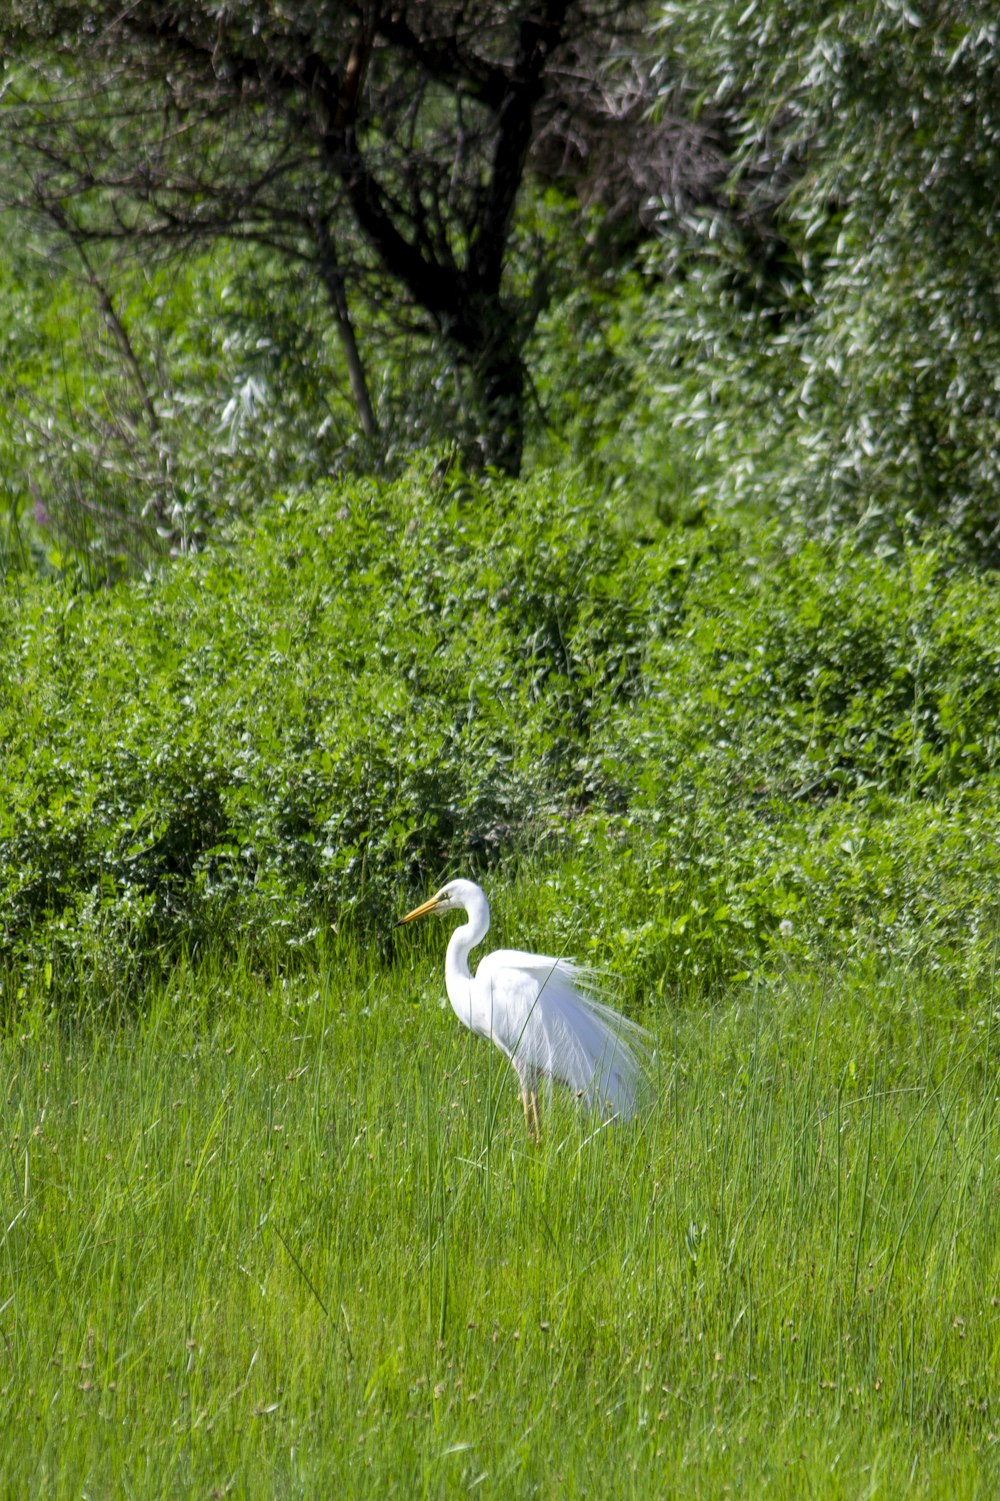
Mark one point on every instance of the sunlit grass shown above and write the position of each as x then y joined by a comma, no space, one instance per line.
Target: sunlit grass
290,1238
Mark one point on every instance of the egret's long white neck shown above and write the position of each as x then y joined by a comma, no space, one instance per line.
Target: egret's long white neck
457,974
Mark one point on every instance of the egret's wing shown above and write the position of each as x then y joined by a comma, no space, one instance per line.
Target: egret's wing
544,1014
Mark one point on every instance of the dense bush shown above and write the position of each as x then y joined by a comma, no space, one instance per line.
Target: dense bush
754,749
292,728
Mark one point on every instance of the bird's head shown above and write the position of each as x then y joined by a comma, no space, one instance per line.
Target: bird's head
456,895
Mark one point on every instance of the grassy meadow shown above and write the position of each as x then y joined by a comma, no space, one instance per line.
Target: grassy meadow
271,1224
277,1237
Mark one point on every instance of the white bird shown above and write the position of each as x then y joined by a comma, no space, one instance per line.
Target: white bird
542,1013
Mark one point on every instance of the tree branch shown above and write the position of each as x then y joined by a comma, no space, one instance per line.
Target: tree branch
540,34
443,60
333,280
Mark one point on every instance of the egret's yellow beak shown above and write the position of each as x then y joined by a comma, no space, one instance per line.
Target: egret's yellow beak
420,911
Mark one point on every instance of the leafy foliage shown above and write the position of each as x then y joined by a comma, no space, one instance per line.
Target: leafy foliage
826,345
382,683
880,330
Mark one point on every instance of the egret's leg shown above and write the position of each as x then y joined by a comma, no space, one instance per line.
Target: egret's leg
529,1099
536,1115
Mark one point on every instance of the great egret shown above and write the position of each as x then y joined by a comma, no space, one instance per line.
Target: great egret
542,1013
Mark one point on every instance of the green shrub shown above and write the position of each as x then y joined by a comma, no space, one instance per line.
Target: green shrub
726,750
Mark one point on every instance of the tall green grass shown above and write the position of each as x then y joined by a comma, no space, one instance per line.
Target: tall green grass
287,1237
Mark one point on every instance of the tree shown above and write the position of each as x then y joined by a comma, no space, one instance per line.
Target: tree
855,377
383,144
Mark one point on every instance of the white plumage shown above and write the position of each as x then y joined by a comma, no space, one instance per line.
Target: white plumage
542,1013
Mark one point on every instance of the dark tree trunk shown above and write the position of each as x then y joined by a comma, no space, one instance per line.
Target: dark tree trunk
333,280
501,380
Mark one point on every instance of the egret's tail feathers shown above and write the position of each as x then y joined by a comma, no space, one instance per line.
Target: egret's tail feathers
584,1043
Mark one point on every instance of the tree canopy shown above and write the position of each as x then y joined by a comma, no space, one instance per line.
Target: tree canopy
722,257
385,145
